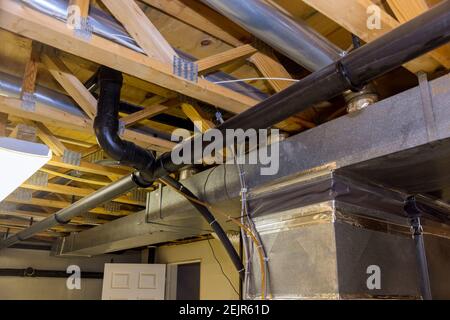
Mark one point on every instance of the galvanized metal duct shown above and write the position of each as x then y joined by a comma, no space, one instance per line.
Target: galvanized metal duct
11,86
295,39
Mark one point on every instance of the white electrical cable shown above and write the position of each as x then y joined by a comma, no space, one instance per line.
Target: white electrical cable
254,79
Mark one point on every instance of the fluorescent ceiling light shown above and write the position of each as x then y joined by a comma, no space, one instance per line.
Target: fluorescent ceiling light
19,160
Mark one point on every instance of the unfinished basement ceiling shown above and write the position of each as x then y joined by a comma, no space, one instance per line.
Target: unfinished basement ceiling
194,29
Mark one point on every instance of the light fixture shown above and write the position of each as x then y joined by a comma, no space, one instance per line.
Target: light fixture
19,160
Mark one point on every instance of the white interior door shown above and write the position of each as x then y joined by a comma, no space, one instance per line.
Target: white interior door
134,281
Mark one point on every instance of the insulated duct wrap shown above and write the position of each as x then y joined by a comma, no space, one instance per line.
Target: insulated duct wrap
322,232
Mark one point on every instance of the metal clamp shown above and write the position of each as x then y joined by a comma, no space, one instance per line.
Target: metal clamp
427,105
28,101
153,208
340,67
84,30
415,213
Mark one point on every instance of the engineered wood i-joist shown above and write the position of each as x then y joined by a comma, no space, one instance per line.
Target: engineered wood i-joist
27,22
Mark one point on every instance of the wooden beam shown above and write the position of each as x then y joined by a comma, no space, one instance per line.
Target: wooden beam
203,18
88,167
21,19
197,116
48,138
83,5
70,83
153,108
408,10
72,178
143,114
31,70
352,15
217,61
141,29
38,202
3,124
48,115
270,67
58,118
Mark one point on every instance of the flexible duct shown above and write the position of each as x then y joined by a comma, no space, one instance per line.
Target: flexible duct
295,39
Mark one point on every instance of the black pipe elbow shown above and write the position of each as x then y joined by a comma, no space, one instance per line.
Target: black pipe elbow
106,126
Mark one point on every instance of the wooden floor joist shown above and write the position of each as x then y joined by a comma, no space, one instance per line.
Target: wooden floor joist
27,22
352,15
89,167
216,61
141,29
202,17
59,118
407,10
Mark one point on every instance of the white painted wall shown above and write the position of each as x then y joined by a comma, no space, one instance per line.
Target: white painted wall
213,284
12,288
